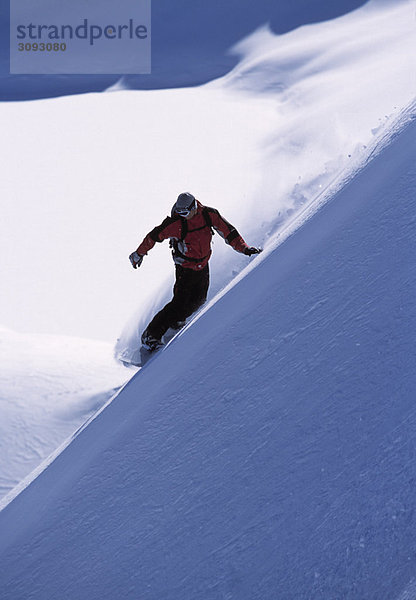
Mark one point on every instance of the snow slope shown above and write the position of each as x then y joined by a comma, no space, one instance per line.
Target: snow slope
83,179
268,452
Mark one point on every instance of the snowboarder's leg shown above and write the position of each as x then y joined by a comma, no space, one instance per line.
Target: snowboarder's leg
199,291
189,293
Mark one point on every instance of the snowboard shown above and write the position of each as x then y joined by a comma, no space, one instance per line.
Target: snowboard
141,355
146,355
140,358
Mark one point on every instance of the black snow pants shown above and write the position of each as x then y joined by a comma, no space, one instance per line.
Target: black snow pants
189,293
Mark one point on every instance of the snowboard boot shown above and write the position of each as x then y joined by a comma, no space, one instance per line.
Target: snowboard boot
150,343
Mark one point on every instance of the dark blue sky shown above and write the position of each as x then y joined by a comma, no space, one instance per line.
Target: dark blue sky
190,39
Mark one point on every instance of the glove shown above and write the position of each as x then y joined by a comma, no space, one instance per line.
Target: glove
252,250
136,259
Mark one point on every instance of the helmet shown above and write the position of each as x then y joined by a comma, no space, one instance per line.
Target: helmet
185,204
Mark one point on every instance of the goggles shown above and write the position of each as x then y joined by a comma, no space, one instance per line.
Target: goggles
184,212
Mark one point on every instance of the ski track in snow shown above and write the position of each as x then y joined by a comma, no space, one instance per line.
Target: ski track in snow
409,593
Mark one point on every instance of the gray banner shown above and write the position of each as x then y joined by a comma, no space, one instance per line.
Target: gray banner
78,37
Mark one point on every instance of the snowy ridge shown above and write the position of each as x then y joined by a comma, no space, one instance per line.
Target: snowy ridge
195,59
385,136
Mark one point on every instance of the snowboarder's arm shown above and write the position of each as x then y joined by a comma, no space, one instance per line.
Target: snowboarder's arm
228,232
170,228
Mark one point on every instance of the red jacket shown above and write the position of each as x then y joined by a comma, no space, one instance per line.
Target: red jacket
191,239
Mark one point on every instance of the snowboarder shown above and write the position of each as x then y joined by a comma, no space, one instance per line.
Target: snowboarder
190,229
